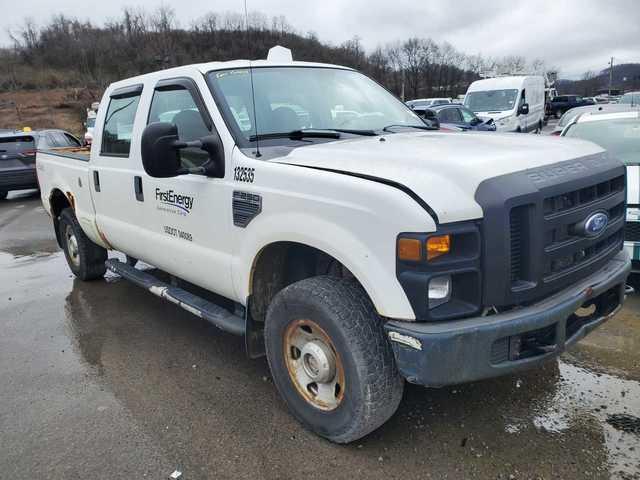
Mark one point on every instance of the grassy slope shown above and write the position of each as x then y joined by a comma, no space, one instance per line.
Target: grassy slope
56,108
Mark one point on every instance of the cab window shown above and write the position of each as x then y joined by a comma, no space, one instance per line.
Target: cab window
176,104
450,115
118,125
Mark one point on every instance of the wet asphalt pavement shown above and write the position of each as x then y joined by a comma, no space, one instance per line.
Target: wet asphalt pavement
102,380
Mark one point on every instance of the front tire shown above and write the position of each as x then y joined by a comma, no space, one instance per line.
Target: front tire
330,359
85,258
3,194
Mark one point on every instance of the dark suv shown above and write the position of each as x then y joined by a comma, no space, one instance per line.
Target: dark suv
18,155
560,104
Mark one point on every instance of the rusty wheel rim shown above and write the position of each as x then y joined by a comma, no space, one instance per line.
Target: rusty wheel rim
314,365
72,246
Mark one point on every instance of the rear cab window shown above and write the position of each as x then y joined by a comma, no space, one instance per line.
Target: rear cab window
118,123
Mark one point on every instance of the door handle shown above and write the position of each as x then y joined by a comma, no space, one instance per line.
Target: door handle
96,180
137,187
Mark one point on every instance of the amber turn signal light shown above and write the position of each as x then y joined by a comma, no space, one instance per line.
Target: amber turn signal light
437,246
410,249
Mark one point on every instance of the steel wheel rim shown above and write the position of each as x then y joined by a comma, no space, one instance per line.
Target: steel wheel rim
72,246
314,366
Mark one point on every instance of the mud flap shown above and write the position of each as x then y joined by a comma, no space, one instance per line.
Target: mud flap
254,334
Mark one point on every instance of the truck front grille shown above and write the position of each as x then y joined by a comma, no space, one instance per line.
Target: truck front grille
533,237
563,251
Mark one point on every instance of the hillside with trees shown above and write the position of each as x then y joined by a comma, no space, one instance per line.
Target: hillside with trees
80,58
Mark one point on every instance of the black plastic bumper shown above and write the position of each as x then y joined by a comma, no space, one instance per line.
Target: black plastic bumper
18,178
446,353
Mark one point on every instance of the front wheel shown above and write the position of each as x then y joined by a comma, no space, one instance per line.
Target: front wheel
3,194
330,359
85,258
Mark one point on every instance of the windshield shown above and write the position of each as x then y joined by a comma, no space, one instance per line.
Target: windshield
630,98
620,137
298,98
491,100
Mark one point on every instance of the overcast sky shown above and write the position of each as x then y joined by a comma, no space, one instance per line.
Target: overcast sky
573,35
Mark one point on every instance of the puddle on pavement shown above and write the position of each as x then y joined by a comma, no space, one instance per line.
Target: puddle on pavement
610,402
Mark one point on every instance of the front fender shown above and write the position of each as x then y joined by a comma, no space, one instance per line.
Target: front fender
354,220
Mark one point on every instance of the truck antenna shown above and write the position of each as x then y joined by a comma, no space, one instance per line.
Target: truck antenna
253,94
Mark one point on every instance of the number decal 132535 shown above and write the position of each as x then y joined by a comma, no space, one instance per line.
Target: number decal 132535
243,174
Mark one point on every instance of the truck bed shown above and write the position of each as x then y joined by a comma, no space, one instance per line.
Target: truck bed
77,153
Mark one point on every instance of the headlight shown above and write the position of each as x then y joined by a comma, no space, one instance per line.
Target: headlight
439,290
440,271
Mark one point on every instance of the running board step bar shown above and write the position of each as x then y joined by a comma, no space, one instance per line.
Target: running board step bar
214,314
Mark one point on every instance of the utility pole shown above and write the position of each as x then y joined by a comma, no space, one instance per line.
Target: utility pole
610,75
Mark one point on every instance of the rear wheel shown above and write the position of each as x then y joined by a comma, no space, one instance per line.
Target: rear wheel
330,359
3,194
85,258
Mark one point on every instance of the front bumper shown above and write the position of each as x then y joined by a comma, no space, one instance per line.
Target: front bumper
453,352
18,178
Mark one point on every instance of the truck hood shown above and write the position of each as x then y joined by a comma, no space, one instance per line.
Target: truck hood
443,169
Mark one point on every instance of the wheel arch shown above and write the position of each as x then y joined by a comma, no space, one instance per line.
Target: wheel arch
280,263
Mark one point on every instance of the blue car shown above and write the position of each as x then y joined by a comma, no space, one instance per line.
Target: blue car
455,115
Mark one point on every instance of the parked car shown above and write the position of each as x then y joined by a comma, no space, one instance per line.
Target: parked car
18,156
515,104
569,115
631,98
459,116
427,102
619,134
355,252
560,104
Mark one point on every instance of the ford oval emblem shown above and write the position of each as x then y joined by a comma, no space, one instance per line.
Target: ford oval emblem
596,224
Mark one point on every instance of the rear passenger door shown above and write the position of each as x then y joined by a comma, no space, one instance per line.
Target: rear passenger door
112,170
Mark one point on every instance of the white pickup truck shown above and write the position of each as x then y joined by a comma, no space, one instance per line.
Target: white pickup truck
345,241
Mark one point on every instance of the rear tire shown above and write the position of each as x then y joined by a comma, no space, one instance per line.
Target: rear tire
3,194
327,329
85,258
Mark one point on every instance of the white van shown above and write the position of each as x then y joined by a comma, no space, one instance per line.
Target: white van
516,104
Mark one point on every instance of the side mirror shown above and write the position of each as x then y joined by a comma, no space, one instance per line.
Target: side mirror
429,118
160,157
214,167
524,109
160,147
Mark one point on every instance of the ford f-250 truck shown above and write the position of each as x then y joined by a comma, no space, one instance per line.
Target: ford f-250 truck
345,241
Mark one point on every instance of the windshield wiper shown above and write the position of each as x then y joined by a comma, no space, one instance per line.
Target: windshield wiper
311,133
388,128
297,134
366,133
